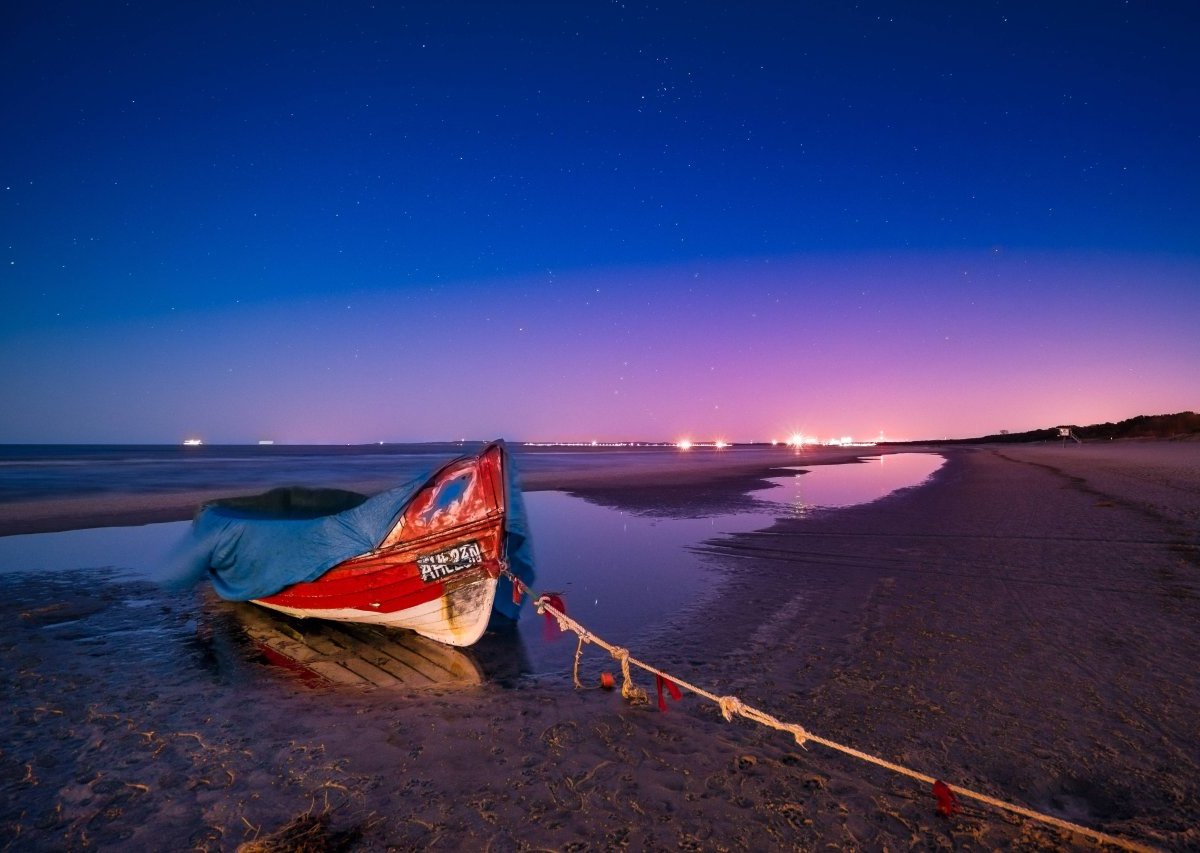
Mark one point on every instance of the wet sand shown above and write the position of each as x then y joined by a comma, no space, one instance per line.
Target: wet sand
1025,625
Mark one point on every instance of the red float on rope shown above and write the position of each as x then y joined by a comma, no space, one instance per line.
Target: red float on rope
551,622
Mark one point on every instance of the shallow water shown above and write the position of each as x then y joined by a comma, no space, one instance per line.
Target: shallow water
139,551
849,484
621,574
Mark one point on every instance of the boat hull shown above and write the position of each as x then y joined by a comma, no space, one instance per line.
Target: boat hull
435,572
458,617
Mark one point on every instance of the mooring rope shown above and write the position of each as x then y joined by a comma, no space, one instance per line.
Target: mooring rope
732,706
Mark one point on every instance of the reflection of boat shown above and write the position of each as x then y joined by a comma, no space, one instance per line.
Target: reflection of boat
355,654
426,556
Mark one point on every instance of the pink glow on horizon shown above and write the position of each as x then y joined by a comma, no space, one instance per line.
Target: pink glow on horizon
924,346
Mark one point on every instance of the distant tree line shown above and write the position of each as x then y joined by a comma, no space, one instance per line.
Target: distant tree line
1178,425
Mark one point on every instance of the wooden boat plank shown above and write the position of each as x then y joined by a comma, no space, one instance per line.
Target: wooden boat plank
403,653
370,673
402,656
374,648
347,666
405,673
318,639
335,673
292,649
437,662
357,654
454,665
277,634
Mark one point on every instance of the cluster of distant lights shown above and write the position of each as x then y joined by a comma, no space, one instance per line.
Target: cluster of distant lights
598,444
796,441
688,444
799,440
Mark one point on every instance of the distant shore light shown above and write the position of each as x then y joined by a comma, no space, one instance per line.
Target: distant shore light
684,444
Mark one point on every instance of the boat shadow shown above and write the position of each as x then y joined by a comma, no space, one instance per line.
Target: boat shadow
323,653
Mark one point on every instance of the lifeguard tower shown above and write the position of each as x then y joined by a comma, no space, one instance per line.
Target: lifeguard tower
1066,432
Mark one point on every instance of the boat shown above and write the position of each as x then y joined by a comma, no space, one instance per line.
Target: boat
436,555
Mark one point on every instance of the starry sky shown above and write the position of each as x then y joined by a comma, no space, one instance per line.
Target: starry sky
592,220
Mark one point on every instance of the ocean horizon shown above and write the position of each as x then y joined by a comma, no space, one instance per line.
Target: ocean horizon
52,471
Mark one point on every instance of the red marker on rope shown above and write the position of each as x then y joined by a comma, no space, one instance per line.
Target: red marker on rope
660,683
947,802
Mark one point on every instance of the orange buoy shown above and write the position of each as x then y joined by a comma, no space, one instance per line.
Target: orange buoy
606,680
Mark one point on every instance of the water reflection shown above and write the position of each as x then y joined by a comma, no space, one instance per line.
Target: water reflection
621,573
850,484
139,551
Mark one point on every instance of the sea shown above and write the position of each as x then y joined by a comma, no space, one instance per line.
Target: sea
36,472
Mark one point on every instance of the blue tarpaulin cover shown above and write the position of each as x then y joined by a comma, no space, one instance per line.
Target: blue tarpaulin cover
252,548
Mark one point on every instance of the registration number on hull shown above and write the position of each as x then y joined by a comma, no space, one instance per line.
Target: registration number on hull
449,561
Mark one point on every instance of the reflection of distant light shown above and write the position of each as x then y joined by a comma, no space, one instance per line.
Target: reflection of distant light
685,444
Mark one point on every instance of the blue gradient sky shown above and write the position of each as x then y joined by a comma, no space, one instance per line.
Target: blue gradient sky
594,220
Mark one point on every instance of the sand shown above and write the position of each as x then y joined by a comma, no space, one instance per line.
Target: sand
1025,625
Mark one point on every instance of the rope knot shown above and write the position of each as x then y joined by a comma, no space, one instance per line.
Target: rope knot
730,705
799,734
632,694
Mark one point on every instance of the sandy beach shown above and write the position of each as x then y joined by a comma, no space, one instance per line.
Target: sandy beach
1025,625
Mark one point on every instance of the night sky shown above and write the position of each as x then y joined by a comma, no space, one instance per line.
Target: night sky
358,222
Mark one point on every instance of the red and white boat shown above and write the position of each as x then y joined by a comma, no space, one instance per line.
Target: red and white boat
436,571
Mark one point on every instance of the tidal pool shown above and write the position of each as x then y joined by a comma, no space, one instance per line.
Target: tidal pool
850,483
